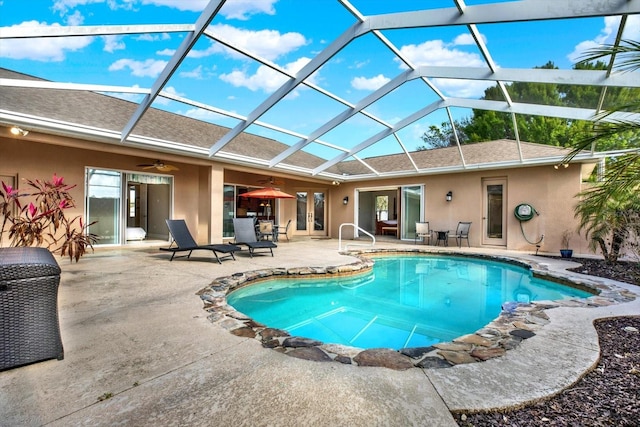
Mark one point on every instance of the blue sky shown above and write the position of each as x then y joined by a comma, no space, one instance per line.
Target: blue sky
287,33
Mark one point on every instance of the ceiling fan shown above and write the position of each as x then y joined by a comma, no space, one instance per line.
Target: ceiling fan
271,181
159,165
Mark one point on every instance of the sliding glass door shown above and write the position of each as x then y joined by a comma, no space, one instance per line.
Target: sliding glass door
104,205
127,207
412,210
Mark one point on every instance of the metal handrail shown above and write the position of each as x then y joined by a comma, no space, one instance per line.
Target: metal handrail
340,248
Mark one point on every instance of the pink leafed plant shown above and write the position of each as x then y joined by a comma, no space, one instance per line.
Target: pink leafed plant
42,221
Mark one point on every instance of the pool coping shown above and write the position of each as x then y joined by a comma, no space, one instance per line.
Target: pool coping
516,322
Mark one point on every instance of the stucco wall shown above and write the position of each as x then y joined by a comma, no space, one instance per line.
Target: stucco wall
551,191
197,195
28,159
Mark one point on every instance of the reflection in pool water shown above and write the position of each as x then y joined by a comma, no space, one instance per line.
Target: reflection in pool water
405,301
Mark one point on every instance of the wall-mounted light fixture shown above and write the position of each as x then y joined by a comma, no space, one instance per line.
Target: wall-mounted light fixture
345,201
19,131
449,196
564,165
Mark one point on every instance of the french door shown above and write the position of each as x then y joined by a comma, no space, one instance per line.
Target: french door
311,213
495,211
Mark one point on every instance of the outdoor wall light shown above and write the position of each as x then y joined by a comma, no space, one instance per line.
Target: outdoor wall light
19,131
345,201
449,196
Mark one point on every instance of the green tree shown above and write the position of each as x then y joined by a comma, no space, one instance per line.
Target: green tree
486,125
438,137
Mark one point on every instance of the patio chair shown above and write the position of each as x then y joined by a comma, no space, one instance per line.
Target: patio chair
245,233
185,242
266,230
462,232
422,231
282,230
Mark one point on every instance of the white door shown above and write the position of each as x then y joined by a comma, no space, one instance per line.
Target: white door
495,212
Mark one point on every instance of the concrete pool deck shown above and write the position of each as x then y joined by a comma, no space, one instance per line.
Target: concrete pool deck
139,350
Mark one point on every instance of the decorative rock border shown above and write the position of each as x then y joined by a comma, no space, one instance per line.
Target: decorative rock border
516,322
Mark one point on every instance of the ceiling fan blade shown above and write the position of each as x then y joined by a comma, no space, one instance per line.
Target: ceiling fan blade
271,181
161,166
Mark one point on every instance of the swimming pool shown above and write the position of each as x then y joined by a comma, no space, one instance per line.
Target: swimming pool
404,301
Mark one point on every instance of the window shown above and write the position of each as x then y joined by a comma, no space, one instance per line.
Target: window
382,208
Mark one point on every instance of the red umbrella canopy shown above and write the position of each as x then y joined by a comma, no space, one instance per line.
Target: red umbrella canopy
267,193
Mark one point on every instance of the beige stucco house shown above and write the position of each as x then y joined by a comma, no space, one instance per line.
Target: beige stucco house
76,134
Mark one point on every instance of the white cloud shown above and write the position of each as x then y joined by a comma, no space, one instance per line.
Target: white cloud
466,39
232,9
607,36
267,44
75,18
63,6
196,73
360,64
171,90
166,52
113,43
462,88
243,9
189,5
415,132
373,83
45,49
265,78
148,68
438,53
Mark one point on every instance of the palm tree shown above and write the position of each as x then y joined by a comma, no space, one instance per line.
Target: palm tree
624,172
610,226
610,209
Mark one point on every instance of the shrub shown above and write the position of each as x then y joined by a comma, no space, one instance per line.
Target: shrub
42,222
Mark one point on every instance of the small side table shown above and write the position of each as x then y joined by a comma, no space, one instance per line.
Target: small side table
442,236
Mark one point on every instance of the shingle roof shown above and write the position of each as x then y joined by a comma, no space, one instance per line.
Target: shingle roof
96,110
111,113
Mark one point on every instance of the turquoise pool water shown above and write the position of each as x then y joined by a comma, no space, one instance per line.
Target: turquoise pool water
405,301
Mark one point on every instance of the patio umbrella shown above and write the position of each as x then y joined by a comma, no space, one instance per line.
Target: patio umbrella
267,193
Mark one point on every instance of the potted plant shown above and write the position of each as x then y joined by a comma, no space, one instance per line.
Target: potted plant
37,218
565,252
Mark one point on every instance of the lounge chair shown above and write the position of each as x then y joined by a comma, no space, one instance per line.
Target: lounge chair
245,233
422,231
185,242
462,232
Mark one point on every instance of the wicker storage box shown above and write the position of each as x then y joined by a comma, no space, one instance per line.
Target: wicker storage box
29,328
